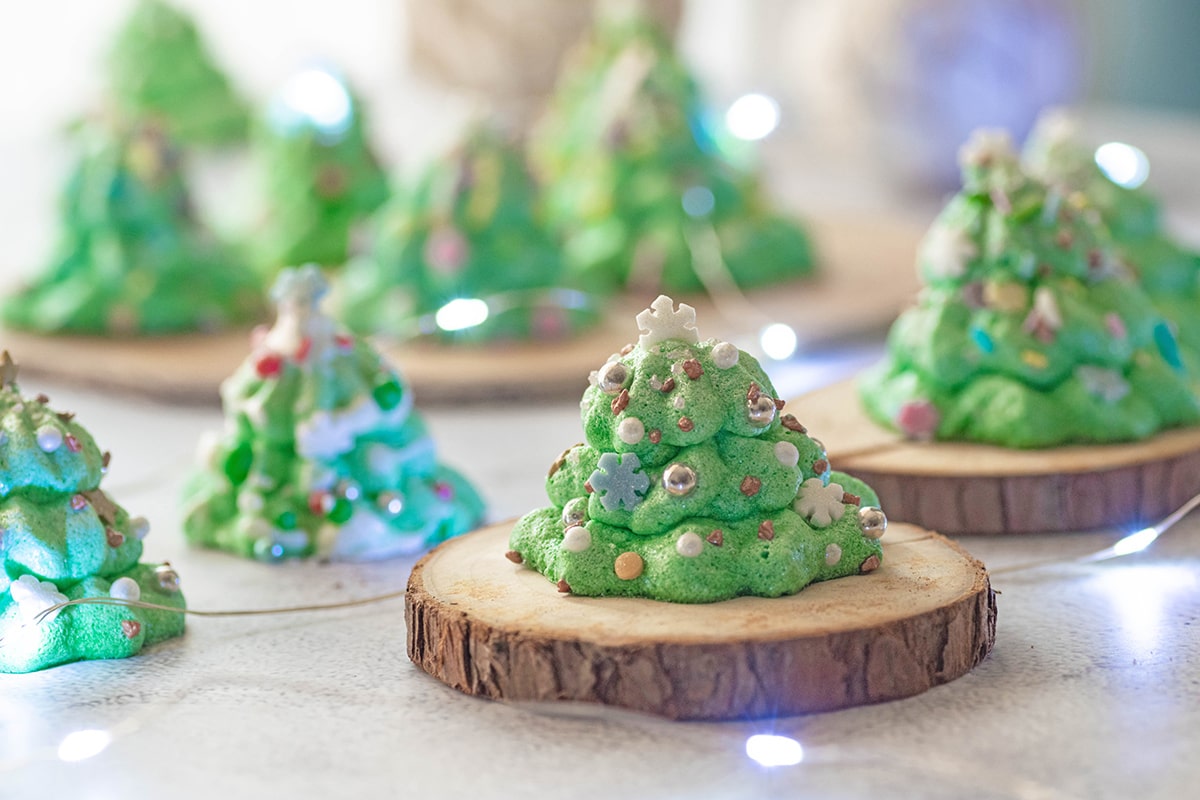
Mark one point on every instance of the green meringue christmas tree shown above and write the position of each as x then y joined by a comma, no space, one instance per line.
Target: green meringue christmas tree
160,69
469,234
635,181
322,179
322,453
132,258
1029,332
691,487
63,538
1167,271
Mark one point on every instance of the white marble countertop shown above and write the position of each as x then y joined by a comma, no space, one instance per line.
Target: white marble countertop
1093,689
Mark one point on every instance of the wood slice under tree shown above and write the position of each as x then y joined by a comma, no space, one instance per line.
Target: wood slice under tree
189,368
961,488
494,629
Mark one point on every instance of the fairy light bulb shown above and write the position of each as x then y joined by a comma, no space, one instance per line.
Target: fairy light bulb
778,341
1123,164
752,117
461,313
770,750
82,745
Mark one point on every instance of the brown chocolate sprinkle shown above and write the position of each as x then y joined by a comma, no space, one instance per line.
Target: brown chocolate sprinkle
78,502
627,349
43,398
692,368
106,509
106,458
753,392
750,485
792,424
515,557
766,531
1094,258
131,628
870,565
1064,239
587,487
620,401
667,385
558,462
563,586
115,537
66,416
686,425
716,538
655,436
820,465
779,404
851,499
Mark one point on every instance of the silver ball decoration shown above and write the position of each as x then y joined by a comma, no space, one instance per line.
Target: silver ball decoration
760,410
872,521
390,503
575,512
679,479
167,578
349,490
612,377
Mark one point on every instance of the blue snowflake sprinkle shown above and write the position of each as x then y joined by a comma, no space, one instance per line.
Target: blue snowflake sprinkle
618,481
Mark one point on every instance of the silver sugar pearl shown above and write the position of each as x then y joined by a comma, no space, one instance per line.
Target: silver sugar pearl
760,410
679,479
349,490
872,521
612,377
390,503
167,578
575,512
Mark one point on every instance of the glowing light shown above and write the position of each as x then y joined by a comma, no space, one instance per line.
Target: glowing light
774,751
461,313
1124,164
1135,542
82,745
778,341
698,201
752,117
318,97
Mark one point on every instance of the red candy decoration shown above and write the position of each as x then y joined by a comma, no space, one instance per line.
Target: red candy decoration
269,366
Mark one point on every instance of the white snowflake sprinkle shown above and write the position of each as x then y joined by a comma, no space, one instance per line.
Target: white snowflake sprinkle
34,596
818,503
619,482
661,322
946,251
787,454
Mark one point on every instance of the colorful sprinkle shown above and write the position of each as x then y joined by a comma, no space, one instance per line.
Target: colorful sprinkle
981,339
620,402
1035,359
1167,345
515,557
716,538
750,485
766,530
628,565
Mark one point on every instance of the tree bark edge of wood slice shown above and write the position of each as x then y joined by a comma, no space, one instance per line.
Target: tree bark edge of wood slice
963,488
493,629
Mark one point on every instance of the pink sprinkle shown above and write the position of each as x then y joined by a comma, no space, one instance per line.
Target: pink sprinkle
446,250
918,419
304,349
343,341
549,323
443,490
1115,325
269,365
73,444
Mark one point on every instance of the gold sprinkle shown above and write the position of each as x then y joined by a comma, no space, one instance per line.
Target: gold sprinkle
1035,359
629,565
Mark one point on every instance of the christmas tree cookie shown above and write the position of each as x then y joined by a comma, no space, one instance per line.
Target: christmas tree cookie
691,487
63,538
469,232
1168,272
160,69
1029,332
321,177
322,453
635,181
132,258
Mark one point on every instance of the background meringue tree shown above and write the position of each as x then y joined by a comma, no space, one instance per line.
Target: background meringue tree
691,487
63,538
322,453
1030,331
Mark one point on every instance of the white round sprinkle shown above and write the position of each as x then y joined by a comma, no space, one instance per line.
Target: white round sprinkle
833,554
139,527
724,355
631,430
787,454
49,438
689,545
125,589
249,502
577,539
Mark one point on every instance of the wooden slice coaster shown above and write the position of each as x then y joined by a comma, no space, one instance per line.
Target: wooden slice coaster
973,488
189,368
494,629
